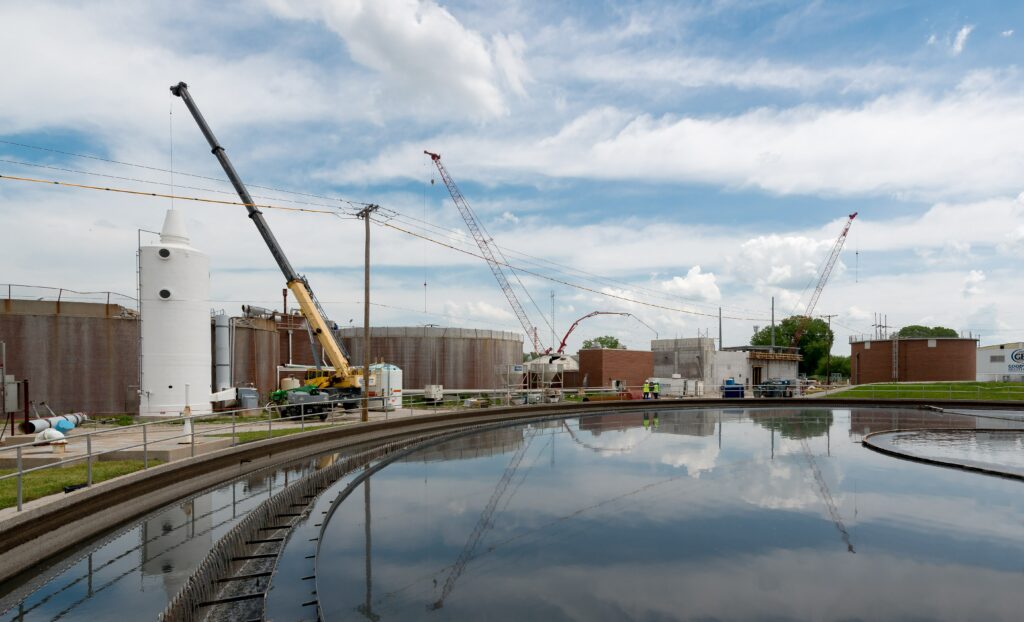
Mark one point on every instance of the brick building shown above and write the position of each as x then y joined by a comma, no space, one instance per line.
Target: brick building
912,360
600,366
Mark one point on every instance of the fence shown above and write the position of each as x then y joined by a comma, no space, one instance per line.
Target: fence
63,294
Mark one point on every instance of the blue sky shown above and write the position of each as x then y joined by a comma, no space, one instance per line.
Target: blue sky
683,155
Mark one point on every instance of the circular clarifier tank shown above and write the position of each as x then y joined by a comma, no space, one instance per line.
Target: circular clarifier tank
685,515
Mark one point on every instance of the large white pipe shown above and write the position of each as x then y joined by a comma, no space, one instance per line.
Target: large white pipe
34,426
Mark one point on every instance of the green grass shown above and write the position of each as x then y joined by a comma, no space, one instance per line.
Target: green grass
259,435
999,391
51,481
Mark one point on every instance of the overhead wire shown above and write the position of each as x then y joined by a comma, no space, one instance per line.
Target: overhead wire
385,223
353,203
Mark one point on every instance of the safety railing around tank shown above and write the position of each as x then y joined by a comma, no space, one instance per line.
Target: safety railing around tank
241,425
16,291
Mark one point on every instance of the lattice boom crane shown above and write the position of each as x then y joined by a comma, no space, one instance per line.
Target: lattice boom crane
822,280
490,251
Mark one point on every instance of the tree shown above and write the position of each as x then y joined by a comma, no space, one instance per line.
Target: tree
814,344
916,330
840,365
606,341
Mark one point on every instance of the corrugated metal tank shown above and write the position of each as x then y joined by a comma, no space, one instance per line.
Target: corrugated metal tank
174,282
458,358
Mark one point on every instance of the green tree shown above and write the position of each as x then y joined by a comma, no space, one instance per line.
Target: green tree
814,344
606,341
916,330
840,365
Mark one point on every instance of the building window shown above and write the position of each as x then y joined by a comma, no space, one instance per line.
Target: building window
997,358
867,345
931,343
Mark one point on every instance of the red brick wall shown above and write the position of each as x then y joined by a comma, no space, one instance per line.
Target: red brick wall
601,366
950,359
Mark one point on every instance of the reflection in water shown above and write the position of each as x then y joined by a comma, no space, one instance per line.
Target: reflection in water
676,517
1001,450
132,574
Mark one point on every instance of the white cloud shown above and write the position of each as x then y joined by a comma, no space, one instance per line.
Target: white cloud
782,261
480,309
1007,33
932,39
961,38
422,53
696,284
910,145
508,218
973,284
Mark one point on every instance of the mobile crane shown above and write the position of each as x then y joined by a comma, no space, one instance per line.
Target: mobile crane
344,383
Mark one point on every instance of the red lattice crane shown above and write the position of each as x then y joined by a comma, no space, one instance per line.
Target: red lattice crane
490,251
822,280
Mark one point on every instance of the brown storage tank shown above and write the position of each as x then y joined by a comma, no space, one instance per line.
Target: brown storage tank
458,358
917,360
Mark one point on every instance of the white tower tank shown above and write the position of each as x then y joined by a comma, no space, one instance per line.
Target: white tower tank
174,287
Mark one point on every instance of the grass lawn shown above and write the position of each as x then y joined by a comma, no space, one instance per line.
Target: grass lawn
259,435
52,481
938,390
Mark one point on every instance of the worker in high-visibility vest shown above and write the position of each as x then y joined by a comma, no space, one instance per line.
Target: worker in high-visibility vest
656,389
647,389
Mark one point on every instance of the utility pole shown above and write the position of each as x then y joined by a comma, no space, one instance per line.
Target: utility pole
553,340
365,215
773,323
720,344
828,355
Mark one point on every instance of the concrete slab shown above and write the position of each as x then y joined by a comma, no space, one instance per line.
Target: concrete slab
166,452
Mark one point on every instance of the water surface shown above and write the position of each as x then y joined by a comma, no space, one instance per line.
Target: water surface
767,514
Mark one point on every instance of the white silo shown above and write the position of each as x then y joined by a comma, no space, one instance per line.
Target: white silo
174,287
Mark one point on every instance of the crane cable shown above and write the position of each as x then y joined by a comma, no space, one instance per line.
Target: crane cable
385,224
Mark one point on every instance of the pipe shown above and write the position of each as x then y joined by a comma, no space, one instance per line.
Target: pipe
222,352
35,426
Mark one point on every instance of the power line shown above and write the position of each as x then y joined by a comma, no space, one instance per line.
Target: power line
386,224
396,214
164,170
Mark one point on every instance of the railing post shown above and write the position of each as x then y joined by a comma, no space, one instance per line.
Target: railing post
192,436
270,423
19,478
302,417
145,446
234,413
88,458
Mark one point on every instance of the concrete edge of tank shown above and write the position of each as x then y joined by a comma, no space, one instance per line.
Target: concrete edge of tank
36,535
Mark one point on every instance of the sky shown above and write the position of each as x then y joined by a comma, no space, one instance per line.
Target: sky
659,159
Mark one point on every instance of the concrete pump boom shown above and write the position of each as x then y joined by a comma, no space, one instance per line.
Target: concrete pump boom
561,346
344,376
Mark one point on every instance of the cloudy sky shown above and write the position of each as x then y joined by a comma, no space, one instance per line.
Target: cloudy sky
663,159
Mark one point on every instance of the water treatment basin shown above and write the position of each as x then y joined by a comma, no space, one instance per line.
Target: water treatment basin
765,514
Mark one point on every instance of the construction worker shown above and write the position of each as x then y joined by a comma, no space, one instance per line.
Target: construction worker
647,389
647,422
656,389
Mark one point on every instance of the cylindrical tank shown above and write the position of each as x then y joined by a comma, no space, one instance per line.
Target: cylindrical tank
222,351
174,286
